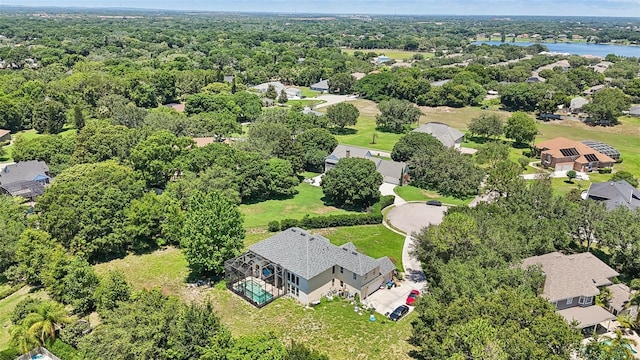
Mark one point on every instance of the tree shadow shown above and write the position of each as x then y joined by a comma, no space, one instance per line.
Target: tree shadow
343,131
328,202
388,130
517,145
569,181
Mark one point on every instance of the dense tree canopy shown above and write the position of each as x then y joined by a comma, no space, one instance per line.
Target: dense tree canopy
521,128
397,115
448,171
342,114
415,143
353,182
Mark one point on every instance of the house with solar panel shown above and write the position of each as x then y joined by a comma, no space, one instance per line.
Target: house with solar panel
561,154
305,267
26,179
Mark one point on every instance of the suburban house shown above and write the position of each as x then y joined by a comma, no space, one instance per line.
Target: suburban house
571,284
562,154
620,297
379,60
26,179
393,172
322,86
448,136
635,111
594,89
5,135
292,92
576,104
602,66
306,267
614,194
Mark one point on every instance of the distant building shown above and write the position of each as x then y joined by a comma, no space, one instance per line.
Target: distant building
381,59
448,136
635,111
292,92
594,89
393,172
358,75
5,135
615,194
576,104
322,86
562,154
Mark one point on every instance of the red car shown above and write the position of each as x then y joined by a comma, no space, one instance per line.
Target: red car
413,295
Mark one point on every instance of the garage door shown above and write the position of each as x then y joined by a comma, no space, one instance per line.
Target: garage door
374,285
564,167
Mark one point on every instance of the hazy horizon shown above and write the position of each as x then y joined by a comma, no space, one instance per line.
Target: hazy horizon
609,8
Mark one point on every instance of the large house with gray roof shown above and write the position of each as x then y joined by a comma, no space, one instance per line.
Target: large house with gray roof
614,194
26,179
305,267
571,284
448,136
393,172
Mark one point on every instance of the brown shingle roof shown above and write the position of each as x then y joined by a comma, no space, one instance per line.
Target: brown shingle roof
571,276
4,132
203,141
554,146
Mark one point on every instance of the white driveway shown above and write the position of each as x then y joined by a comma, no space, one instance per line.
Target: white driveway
331,99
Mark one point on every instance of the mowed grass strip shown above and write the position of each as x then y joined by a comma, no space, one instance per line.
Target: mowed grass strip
412,193
308,201
7,305
392,53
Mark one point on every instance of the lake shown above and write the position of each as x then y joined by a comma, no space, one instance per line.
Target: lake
578,48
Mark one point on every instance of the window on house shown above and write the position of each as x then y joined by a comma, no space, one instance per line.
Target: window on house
341,283
588,300
333,269
341,270
297,292
297,280
354,276
581,300
569,301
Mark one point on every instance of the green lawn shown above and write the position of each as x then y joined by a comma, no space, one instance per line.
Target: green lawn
412,193
307,92
6,309
374,240
331,327
30,134
307,201
164,268
363,132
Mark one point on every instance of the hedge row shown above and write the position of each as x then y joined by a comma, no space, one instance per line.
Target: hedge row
9,291
319,222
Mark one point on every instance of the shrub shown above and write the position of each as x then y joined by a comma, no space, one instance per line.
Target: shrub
274,226
604,171
288,223
9,354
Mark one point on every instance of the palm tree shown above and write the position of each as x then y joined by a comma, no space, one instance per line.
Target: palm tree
45,320
620,344
21,338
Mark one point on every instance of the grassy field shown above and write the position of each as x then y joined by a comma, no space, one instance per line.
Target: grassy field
625,137
374,240
363,132
6,309
394,54
164,268
30,134
412,193
332,327
307,201
307,92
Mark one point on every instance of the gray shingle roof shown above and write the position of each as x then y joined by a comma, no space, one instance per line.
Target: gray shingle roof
578,102
322,84
614,194
354,151
447,135
570,276
620,296
308,255
25,188
22,171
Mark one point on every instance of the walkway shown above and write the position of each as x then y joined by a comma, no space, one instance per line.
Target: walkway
331,99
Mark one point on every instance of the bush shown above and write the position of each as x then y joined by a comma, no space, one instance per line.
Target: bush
273,226
9,291
9,354
604,171
62,350
320,222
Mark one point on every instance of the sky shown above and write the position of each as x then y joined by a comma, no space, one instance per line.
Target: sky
622,8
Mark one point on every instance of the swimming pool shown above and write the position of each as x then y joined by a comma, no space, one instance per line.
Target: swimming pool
633,351
253,290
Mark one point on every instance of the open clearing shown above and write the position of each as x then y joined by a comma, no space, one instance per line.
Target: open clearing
412,193
307,201
392,53
332,327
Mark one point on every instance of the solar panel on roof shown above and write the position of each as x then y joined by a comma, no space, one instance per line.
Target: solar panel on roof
591,157
603,148
569,152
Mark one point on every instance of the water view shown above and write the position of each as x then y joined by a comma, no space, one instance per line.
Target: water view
578,48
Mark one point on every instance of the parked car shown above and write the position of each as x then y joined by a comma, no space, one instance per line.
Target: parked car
434,203
399,312
411,298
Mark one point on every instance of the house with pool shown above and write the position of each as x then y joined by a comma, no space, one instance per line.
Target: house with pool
305,267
